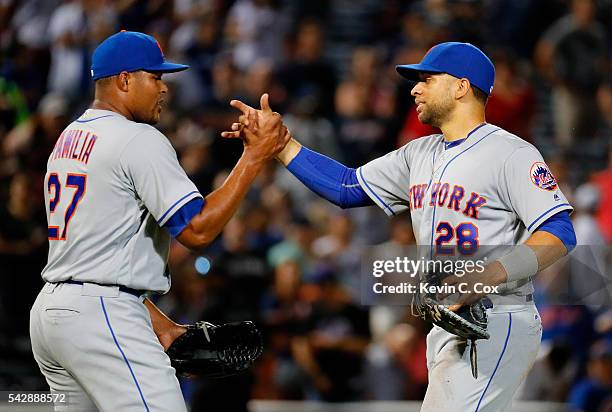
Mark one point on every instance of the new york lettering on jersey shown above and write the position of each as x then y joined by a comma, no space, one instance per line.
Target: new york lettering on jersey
446,194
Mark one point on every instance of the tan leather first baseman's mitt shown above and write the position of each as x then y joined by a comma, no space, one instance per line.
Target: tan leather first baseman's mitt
208,350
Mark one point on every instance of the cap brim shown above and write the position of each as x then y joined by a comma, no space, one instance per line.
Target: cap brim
167,67
411,71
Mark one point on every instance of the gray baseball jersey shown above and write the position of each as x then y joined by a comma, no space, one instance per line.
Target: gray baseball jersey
492,189
111,185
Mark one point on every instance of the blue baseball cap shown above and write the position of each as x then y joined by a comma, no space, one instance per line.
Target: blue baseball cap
462,60
130,51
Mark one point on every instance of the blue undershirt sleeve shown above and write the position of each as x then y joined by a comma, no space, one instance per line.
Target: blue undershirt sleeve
561,226
329,179
181,217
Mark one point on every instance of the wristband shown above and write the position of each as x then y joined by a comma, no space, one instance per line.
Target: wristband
521,263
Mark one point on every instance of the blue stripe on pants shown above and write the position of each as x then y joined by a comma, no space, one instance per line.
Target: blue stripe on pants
123,354
498,361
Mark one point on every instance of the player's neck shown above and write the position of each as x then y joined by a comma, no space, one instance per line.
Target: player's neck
103,104
460,127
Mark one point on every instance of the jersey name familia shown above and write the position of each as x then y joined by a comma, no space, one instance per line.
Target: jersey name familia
492,189
110,185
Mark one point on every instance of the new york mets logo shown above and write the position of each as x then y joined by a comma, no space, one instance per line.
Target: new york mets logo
542,177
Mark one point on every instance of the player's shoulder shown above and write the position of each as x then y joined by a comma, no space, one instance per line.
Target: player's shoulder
145,138
507,143
424,143
119,131
148,133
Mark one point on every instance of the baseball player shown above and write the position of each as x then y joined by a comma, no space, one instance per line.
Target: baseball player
115,196
475,184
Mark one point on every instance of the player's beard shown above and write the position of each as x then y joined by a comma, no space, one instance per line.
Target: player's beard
150,117
156,115
436,113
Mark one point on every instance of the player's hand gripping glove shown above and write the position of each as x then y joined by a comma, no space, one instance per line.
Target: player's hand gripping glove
469,322
209,350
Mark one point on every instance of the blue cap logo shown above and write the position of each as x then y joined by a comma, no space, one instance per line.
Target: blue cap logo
130,51
462,60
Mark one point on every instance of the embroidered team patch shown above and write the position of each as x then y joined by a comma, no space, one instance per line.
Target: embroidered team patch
542,177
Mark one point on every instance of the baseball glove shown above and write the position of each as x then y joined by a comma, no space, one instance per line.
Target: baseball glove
469,322
209,350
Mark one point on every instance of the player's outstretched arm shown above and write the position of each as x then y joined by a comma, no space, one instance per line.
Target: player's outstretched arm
266,137
326,177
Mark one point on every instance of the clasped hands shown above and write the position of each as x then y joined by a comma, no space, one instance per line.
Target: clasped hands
262,131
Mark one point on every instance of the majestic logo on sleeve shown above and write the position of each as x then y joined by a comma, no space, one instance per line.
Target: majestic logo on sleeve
542,177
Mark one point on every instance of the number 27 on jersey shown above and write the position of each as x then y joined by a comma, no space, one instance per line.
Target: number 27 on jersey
75,184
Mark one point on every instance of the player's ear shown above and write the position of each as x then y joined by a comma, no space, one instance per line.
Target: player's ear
122,81
462,88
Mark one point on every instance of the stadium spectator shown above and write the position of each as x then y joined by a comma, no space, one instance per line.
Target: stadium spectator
307,75
603,180
256,30
572,55
331,353
594,392
284,315
511,104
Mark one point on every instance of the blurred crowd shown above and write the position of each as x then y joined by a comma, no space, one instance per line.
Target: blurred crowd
289,260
